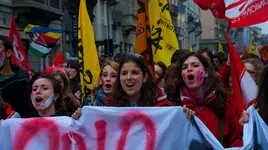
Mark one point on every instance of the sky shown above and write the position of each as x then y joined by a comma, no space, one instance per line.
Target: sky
264,27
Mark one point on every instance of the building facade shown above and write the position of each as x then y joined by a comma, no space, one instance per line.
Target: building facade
243,38
192,26
213,30
114,23
256,35
264,39
47,13
185,16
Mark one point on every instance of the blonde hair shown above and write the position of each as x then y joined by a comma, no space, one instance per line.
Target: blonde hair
113,64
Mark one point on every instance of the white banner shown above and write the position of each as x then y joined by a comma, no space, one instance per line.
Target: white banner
109,128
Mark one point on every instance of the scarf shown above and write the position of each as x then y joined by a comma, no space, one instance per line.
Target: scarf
100,98
190,100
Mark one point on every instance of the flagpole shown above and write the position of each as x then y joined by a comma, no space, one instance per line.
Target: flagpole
46,61
41,64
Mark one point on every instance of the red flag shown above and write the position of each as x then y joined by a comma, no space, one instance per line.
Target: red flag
241,13
19,56
217,7
244,87
59,60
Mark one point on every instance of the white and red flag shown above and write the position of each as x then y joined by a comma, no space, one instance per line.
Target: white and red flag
239,13
19,56
245,89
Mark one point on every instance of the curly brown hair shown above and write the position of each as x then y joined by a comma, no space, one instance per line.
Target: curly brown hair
212,82
171,79
258,67
68,97
148,89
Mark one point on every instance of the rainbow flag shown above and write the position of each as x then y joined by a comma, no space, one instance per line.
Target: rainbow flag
43,39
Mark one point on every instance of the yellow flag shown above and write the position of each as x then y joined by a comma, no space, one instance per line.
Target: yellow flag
191,49
251,48
163,37
87,53
220,49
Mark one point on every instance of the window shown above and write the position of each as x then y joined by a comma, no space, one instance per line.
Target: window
121,47
125,48
40,1
55,4
5,18
103,15
7,1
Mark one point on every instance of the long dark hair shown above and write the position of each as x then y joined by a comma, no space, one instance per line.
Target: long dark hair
148,89
262,98
59,104
68,97
212,82
171,81
163,67
208,51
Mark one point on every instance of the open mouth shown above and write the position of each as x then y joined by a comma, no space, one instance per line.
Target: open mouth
108,86
38,99
130,85
190,77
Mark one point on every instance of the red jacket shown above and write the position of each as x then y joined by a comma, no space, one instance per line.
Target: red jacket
161,99
7,111
224,74
232,130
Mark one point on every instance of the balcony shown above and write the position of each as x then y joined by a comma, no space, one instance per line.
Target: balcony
39,12
117,16
181,1
129,23
112,2
128,8
54,6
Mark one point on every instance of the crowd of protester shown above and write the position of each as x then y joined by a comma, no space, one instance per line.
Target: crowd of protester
199,82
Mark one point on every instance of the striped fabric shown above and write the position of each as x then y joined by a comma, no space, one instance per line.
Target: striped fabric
43,39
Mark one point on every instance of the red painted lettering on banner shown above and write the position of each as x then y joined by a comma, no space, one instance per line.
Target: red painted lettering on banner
101,134
132,117
30,128
68,138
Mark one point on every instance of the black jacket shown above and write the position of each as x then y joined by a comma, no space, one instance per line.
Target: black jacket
16,91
